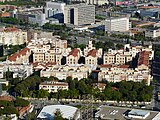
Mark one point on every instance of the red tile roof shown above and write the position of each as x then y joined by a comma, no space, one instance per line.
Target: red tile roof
6,98
23,110
92,53
10,29
143,58
38,65
5,14
74,52
22,52
105,66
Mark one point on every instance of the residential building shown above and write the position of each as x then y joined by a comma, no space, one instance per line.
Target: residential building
53,86
49,56
143,60
79,14
120,24
73,56
119,57
48,50
91,58
125,55
91,54
20,57
18,70
124,73
115,69
64,71
153,33
12,36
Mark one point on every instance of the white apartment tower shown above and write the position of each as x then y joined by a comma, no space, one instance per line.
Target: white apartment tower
117,24
79,14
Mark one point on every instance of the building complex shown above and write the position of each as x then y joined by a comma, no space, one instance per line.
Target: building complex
79,14
12,36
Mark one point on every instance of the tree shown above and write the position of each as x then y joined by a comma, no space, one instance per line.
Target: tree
58,115
21,102
42,93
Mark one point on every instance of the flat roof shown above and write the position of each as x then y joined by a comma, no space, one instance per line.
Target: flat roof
114,18
120,113
138,112
48,111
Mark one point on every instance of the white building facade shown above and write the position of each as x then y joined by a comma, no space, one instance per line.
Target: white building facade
117,24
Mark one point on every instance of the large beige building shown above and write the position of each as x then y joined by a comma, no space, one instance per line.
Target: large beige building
124,73
125,55
48,50
53,86
64,71
115,70
12,36
120,24
79,14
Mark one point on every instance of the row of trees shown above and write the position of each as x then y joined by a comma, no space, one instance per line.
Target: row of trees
10,20
54,26
122,91
127,91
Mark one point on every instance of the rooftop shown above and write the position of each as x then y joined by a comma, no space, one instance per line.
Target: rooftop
9,29
143,58
92,53
48,111
55,83
138,112
120,113
74,52
22,52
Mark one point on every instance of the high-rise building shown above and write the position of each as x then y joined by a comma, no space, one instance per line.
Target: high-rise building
79,14
120,24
